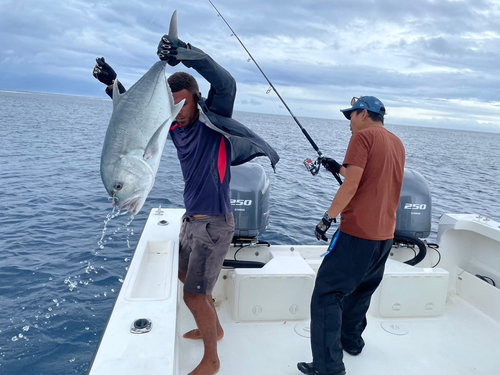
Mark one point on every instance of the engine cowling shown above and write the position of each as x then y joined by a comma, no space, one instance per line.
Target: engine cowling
250,200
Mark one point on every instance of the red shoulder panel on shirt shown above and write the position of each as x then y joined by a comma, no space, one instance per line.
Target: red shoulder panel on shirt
222,160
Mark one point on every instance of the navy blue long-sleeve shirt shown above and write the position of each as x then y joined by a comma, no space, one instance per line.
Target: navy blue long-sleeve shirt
205,157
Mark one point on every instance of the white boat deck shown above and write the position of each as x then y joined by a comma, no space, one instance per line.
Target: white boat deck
462,341
444,321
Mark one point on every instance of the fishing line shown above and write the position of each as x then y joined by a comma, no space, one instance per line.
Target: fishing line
306,134
312,166
154,16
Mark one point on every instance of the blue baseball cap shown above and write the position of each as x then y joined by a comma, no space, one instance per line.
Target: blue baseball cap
369,103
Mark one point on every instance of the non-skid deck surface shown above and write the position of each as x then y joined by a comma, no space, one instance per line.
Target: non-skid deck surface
463,341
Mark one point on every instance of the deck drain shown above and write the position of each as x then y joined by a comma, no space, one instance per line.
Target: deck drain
303,329
395,328
142,325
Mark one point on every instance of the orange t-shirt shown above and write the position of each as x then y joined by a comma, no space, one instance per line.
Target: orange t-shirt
371,214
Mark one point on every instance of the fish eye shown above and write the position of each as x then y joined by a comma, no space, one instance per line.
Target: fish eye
118,186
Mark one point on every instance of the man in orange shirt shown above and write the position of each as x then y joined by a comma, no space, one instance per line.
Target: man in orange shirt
367,201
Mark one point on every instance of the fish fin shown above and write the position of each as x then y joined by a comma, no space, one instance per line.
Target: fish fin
116,93
152,147
176,108
173,34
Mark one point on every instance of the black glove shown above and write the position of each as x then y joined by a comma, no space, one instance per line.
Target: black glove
103,72
323,226
167,50
330,165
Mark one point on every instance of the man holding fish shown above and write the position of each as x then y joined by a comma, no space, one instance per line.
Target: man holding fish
208,142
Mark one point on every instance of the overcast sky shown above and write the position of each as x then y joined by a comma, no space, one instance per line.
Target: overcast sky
432,63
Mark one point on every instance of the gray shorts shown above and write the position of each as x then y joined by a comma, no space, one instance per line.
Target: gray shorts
203,244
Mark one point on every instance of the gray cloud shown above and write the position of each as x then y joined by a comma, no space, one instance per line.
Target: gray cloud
252,102
432,62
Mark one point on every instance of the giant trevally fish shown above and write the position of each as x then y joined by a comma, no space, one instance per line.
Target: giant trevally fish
135,138
136,135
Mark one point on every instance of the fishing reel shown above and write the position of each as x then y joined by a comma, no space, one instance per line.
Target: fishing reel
312,166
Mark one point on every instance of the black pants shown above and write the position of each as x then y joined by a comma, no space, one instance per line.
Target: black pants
346,280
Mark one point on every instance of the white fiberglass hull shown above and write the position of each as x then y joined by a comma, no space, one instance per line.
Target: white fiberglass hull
441,320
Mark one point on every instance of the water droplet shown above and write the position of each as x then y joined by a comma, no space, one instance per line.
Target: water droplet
71,284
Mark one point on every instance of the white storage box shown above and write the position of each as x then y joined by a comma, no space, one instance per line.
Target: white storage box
407,291
281,290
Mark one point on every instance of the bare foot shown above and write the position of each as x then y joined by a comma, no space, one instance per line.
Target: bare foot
207,367
195,334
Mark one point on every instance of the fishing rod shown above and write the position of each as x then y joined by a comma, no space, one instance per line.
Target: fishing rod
312,166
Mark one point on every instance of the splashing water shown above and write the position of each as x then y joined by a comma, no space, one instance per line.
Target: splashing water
130,231
114,213
90,268
71,284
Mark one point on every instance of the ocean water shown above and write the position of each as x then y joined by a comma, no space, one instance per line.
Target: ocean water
58,286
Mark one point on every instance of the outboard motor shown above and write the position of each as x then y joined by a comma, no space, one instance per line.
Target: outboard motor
250,200
413,220
414,211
